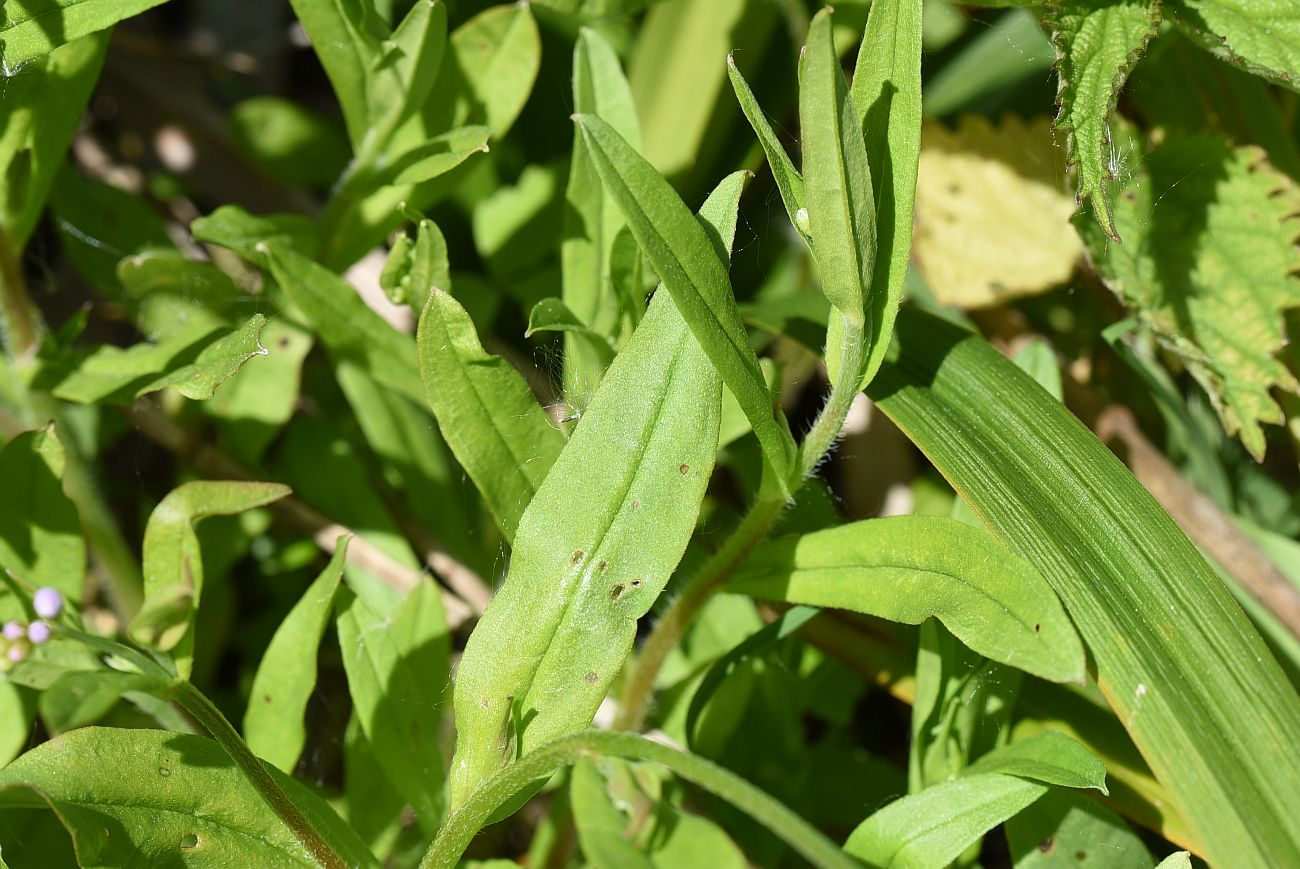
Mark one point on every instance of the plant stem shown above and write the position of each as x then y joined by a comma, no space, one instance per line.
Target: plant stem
210,717
21,325
465,822
751,531
668,630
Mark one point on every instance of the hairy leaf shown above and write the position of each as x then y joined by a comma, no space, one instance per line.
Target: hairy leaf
1097,44
1209,264
1177,660
911,568
488,415
286,678
684,256
148,797
598,542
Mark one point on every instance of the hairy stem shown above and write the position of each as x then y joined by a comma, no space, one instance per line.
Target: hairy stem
848,383
216,724
465,822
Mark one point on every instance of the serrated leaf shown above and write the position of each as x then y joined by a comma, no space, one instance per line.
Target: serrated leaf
173,567
148,797
195,362
598,542
43,107
886,90
837,180
1209,264
286,677
486,412
36,27
683,254
993,214
397,669
40,532
1097,44
1262,36
1186,674
911,568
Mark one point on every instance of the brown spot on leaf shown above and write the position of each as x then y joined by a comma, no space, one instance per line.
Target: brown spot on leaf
1047,846
578,555
685,469
616,591
592,677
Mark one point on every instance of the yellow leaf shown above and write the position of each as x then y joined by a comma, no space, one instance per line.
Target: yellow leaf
992,214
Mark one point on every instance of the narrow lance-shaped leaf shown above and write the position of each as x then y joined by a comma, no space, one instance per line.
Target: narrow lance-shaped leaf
402,74
346,44
1071,824
149,797
697,280
36,27
173,566
592,219
1177,660
598,542
397,668
886,92
489,417
286,678
837,180
1097,44
911,568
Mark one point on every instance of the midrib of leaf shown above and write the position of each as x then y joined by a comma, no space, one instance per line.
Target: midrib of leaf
624,488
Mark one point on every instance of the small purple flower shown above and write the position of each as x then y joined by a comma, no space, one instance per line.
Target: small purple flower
47,602
38,633
14,630
17,652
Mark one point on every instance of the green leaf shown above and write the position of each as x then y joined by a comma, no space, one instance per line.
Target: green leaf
43,107
293,144
77,699
345,35
684,256
194,362
887,93
910,568
598,542
552,315
173,567
149,797
789,183
233,227
1177,860
1064,828
934,827
1097,44
40,533
592,220
397,668
16,706
1049,757
1260,36
434,156
489,71
36,27
349,328
488,415
286,678
837,180
1012,49
401,76
415,266
1175,657
1209,264
602,828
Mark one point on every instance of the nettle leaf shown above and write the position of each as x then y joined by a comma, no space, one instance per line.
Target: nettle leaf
286,678
1184,671
1262,36
149,797
397,668
592,220
598,542
43,107
1097,44
173,567
910,568
1209,264
886,90
499,433
40,532
682,253
36,27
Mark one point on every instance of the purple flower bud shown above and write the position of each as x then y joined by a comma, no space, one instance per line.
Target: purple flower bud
17,652
47,602
14,630
38,633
